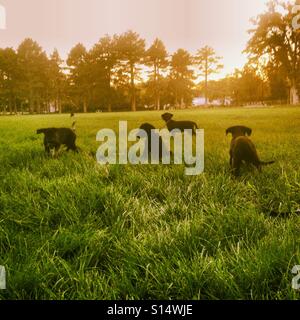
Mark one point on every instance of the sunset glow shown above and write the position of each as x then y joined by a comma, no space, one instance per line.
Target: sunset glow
188,24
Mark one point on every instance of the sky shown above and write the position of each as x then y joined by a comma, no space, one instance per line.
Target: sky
188,24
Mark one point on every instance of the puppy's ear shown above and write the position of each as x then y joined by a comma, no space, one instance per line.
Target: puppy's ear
239,131
248,131
229,130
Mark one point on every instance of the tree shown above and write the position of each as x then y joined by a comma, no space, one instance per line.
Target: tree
242,87
251,87
208,64
221,90
57,80
131,50
181,77
9,78
33,63
104,57
156,57
79,75
277,85
275,44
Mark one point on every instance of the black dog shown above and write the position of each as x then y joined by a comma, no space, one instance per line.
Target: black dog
237,131
243,149
56,137
147,127
181,125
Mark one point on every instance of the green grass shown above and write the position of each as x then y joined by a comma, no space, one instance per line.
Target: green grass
72,229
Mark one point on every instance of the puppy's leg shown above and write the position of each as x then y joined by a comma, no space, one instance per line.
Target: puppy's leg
231,159
236,165
259,167
46,145
73,148
47,148
56,149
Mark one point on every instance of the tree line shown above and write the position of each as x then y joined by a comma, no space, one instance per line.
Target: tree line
119,73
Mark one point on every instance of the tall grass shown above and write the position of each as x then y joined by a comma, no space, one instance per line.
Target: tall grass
71,229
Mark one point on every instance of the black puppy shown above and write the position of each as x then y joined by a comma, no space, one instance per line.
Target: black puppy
237,131
147,127
181,125
56,137
242,149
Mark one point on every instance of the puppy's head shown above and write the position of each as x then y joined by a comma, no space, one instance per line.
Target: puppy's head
167,116
147,127
239,131
40,131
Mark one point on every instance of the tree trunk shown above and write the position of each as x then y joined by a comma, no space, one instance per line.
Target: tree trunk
158,102
85,108
59,106
15,106
133,97
38,106
31,106
155,88
206,82
10,106
109,92
133,103
294,97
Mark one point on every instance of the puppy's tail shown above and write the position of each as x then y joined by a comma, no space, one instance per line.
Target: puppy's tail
266,163
74,126
195,128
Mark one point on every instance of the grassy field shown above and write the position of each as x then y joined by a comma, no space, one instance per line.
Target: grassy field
72,229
